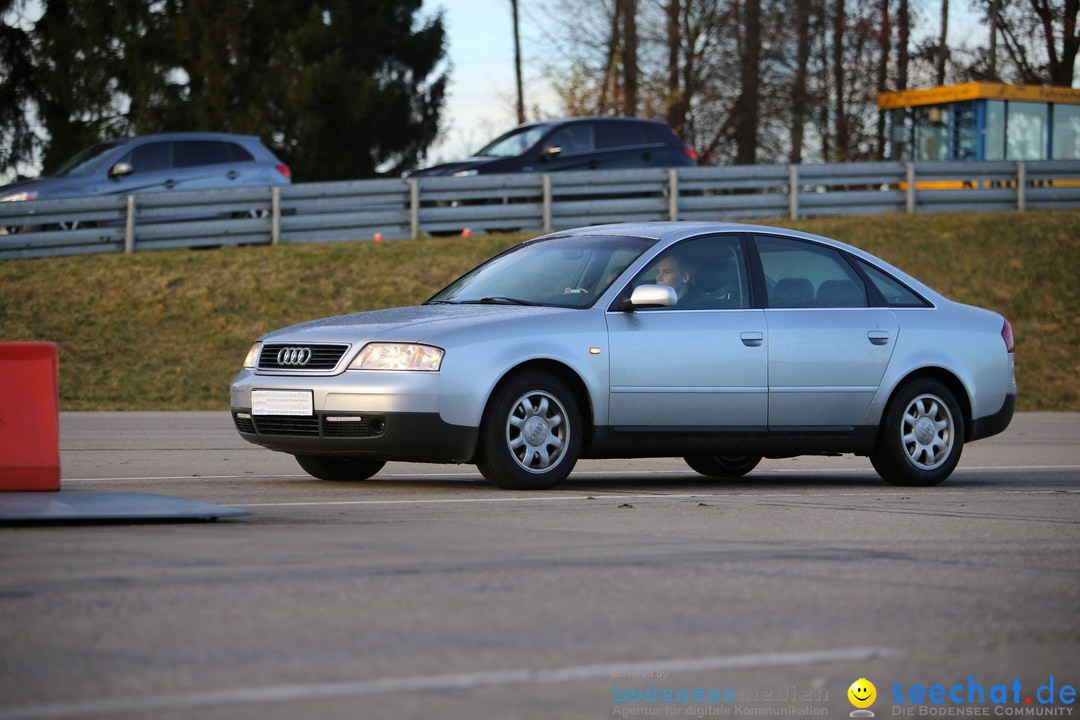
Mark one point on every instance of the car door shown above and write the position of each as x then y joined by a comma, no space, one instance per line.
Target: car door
575,144
151,169
693,366
828,349
203,164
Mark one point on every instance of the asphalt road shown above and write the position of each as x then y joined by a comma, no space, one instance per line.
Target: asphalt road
426,593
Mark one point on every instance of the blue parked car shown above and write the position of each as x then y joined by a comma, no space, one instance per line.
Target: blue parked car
157,163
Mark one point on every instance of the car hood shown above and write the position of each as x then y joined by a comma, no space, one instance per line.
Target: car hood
469,163
50,187
423,323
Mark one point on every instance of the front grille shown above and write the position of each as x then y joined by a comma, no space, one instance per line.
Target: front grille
287,425
323,357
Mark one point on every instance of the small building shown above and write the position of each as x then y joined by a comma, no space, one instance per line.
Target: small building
983,121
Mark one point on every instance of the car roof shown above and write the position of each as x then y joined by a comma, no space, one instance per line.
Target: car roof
200,135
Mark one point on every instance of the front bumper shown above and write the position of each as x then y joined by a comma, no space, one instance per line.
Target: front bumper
410,437
377,415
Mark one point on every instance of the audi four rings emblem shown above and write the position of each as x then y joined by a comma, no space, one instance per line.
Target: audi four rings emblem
294,356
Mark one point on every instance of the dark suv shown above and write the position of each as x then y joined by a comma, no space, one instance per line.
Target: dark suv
590,143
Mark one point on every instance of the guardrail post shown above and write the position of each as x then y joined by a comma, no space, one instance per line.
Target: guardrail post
793,192
1021,186
414,208
673,194
545,180
275,215
910,173
129,226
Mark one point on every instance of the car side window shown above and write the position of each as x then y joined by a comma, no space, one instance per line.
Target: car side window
150,157
572,139
801,274
706,273
622,134
895,293
191,153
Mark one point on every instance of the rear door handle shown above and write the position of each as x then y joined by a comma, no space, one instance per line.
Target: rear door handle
232,174
752,339
170,184
878,337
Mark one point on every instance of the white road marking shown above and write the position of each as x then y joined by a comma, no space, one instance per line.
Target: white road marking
449,681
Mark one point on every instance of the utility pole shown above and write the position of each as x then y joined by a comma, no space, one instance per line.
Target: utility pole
517,64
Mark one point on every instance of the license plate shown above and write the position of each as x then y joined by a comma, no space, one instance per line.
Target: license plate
282,402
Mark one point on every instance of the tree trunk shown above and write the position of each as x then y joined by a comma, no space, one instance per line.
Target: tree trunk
799,100
883,73
839,82
676,108
995,10
903,36
942,48
630,63
747,110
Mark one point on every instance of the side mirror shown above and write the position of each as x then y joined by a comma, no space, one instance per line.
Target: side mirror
646,296
549,152
120,169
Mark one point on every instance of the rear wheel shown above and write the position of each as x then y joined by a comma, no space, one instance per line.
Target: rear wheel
723,466
531,435
339,469
922,435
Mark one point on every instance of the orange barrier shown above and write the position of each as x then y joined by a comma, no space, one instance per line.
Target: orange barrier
29,417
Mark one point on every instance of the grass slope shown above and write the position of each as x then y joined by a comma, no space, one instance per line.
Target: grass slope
167,330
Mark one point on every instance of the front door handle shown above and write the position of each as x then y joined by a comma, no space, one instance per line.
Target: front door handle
752,339
170,184
878,337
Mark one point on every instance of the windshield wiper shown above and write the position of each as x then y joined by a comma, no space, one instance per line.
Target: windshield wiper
499,300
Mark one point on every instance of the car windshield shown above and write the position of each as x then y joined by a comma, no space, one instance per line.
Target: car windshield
564,271
88,160
513,143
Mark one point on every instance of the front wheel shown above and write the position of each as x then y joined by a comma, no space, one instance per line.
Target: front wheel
922,435
531,435
339,469
722,466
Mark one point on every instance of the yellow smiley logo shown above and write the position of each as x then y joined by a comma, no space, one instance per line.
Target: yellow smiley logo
862,693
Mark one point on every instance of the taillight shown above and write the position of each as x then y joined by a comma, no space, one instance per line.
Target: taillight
284,170
690,152
1007,336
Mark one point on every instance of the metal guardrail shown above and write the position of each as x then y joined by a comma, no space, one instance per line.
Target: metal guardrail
363,209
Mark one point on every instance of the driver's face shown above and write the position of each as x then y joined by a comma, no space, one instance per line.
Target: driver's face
667,273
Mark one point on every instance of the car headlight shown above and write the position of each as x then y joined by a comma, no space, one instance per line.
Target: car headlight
19,196
252,359
398,356
464,173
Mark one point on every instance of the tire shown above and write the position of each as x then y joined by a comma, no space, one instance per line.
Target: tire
723,466
531,435
922,435
339,469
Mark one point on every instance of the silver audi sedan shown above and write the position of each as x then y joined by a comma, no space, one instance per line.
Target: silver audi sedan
719,343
